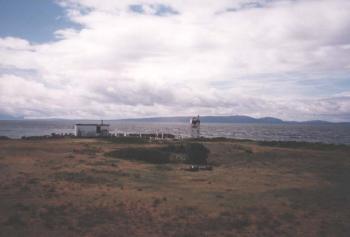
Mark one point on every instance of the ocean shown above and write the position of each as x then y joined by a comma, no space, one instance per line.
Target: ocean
325,133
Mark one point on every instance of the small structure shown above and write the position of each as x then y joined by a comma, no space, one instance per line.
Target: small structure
91,130
195,127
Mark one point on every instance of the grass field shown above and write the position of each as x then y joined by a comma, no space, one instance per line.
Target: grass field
95,187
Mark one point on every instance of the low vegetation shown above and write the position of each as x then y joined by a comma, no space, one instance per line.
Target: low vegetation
306,145
90,187
79,177
126,140
197,153
191,153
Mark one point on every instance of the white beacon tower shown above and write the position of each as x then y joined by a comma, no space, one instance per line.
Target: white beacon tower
195,124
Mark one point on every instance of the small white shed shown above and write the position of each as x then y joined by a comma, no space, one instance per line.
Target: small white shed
91,130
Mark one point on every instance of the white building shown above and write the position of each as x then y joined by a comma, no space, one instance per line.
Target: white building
91,130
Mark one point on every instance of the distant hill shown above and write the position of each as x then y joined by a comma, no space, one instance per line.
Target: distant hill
186,119
8,117
316,122
222,119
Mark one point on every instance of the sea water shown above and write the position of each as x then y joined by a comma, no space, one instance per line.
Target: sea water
326,133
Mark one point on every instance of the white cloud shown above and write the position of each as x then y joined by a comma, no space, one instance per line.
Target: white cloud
207,57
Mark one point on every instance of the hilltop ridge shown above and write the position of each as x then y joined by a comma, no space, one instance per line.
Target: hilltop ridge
221,119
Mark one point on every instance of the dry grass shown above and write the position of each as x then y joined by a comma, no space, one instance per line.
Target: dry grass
68,187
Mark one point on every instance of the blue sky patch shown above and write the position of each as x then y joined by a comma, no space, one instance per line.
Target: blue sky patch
159,9
35,21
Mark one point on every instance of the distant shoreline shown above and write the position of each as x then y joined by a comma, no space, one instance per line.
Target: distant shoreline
274,143
330,133
204,119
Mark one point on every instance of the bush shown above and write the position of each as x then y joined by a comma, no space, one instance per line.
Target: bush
197,153
175,148
15,220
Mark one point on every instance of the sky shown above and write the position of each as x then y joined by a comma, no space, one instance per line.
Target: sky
106,59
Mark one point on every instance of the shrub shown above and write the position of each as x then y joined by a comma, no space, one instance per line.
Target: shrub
197,153
15,220
174,148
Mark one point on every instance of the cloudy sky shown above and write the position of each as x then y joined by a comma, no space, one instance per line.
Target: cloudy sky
129,58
